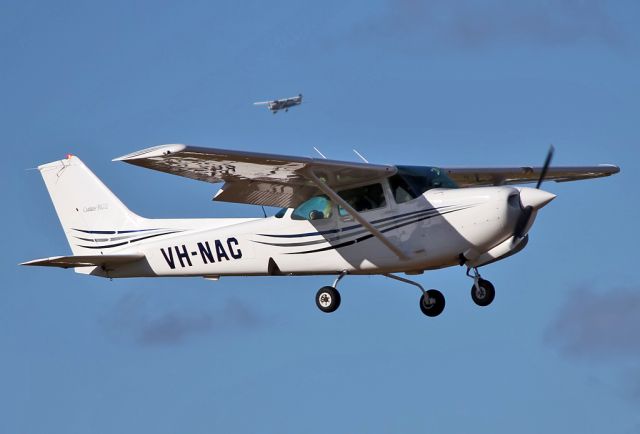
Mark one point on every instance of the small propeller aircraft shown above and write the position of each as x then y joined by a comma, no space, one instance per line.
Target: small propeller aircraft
338,218
281,104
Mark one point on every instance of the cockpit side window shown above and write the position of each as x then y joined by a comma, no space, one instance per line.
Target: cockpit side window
411,182
363,198
316,208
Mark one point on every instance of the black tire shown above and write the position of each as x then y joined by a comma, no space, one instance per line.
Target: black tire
433,304
485,295
328,299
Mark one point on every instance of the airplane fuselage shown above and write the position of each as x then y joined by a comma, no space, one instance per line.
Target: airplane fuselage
433,230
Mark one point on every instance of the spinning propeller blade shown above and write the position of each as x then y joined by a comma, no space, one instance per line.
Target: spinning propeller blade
545,166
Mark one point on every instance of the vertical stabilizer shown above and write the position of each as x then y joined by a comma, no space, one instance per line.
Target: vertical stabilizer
91,215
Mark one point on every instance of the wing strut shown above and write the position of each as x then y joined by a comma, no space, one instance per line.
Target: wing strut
355,214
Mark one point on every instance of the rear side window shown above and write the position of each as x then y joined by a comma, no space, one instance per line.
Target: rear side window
363,198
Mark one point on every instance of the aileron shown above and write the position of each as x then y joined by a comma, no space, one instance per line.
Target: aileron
485,176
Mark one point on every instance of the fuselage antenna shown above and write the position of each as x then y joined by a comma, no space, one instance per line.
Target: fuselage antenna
320,153
360,155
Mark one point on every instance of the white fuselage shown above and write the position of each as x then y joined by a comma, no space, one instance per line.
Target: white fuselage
433,230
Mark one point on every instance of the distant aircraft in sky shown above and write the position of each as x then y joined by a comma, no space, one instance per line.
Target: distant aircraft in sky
281,104
338,218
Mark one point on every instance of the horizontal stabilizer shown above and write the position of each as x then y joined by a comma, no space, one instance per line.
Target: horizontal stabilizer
104,261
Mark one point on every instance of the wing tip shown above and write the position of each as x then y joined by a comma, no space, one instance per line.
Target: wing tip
613,168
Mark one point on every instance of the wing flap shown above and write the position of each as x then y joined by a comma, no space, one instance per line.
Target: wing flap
265,193
105,261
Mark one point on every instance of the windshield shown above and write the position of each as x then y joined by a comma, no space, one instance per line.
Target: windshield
412,181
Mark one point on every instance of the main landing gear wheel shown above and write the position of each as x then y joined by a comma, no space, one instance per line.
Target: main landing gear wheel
432,302
328,299
483,293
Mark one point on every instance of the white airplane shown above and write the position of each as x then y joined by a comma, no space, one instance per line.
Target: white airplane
281,104
338,218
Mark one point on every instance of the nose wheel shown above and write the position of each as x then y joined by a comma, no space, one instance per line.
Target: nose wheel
482,291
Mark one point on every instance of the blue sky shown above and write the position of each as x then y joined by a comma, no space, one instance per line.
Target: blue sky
470,83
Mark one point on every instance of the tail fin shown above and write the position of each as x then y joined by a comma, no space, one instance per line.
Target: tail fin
90,214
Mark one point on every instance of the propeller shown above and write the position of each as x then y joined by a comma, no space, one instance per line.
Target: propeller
527,211
545,166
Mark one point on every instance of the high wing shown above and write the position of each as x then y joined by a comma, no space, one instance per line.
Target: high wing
479,176
284,181
257,178
291,99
